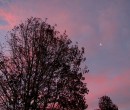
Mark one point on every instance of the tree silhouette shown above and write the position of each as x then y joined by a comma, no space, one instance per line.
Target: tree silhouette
105,103
42,70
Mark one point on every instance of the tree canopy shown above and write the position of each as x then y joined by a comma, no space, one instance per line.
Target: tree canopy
105,103
42,70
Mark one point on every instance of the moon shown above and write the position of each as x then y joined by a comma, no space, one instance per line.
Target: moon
100,44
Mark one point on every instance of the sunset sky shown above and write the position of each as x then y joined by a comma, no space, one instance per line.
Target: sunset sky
101,26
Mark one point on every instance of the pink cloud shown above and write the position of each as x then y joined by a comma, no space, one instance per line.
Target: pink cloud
9,17
64,18
103,84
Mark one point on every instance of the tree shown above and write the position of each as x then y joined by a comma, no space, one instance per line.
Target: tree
42,70
105,103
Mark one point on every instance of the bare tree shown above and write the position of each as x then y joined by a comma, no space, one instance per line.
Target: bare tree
105,103
42,71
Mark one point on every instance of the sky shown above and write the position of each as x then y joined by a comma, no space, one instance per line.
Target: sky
101,26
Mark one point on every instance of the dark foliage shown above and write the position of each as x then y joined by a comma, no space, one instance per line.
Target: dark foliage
42,70
105,103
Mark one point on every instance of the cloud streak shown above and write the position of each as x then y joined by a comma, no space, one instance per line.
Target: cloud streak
116,87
